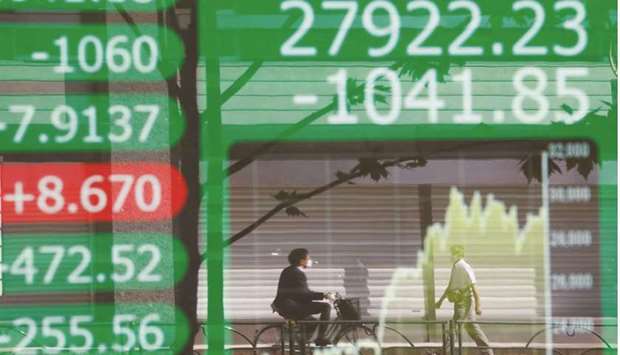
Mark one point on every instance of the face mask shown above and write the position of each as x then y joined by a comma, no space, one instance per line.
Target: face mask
309,263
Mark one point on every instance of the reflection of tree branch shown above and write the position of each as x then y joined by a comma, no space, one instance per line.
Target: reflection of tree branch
612,61
173,87
344,178
241,81
242,163
252,69
183,87
125,15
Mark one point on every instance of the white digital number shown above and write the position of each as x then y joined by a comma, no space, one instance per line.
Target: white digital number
563,90
120,329
93,54
570,194
127,182
147,275
521,46
152,112
395,96
431,103
91,115
27,112
457,48
536,94
392,29
29,334
69,123
76,277
149,336
125,262
118,58
467,116
76,331
84,54
48,331
289,47
342,116
58,253
24,265
415,47
149,45
575,24
140,193
122,121
571,238
351,10
88,191
50,189
148,331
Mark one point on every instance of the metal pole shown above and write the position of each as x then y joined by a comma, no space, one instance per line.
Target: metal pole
211,153
444,346
459,325
291,338
451,336
282,343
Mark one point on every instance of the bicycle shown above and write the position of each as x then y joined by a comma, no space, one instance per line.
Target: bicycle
346,330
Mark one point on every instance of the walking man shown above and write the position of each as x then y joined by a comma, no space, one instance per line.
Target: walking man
460,291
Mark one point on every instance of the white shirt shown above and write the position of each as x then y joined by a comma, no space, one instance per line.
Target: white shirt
462,276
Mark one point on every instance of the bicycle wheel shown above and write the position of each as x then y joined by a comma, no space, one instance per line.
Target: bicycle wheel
271,340
396,338
354,336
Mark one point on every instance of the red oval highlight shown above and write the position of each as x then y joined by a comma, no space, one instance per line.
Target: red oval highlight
90,192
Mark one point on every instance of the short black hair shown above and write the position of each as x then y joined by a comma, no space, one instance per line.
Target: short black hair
296,255
457,250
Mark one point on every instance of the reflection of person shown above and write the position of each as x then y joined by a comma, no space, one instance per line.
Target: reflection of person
460,291
295,300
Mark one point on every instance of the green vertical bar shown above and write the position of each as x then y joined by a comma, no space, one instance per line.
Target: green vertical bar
608,202
608,258
211,152
608,261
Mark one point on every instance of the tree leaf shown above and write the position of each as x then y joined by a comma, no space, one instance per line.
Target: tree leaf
414,69
373,168
294,212
571,164
567,108
531,167
341,175
415,163
355,93
584,165
282,196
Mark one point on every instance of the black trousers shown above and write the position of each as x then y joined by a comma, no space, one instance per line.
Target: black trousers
299,311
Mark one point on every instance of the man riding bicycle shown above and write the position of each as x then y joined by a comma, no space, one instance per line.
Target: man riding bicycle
295,300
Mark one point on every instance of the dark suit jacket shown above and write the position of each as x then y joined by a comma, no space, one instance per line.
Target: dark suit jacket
293,286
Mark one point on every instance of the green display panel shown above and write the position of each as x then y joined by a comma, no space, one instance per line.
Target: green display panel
68,263
76,329
80,123
87,5
384,30
377,133
94,52
164,165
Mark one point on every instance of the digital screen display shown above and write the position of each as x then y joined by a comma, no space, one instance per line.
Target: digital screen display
308,177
